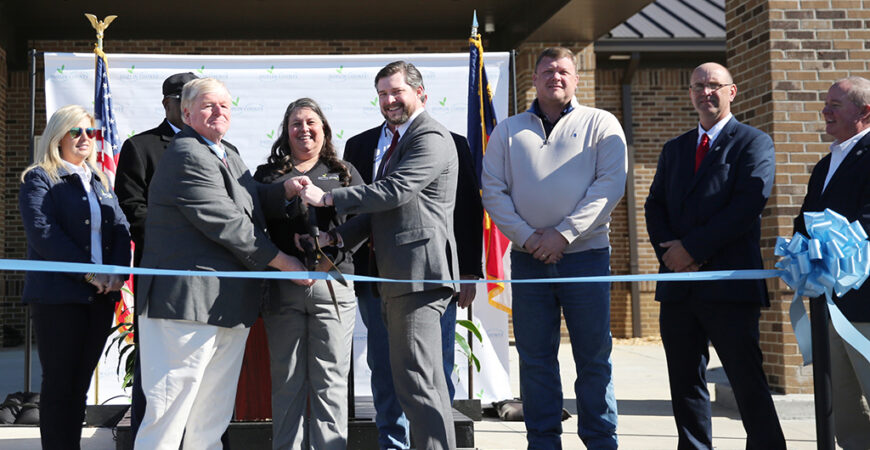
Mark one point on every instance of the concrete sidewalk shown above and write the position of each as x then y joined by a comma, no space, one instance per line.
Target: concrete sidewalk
641,382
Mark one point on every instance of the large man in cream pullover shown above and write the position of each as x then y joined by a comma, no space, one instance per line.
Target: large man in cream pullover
551,177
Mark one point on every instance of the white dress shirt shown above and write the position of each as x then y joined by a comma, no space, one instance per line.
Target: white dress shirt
839,151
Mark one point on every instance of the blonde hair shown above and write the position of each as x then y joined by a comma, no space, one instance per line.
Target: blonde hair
48,147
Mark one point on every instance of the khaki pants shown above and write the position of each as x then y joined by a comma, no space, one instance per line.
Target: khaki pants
850,378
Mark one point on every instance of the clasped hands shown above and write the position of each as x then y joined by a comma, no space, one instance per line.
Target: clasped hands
106,283
676,258
546,245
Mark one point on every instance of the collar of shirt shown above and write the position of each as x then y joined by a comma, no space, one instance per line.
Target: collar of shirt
845,146
386,138
217,149
175,129
84,173
714,131
536,110
404,127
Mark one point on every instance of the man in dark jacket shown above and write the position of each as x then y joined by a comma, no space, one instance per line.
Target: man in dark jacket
704,213
841,181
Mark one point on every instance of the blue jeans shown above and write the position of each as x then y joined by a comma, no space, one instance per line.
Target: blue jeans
586,307
393,427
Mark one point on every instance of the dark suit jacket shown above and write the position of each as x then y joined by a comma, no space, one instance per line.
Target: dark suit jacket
848,193
136,164
467,217
408,213
205,216
715,213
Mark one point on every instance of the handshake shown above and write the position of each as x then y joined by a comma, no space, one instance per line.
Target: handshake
310,194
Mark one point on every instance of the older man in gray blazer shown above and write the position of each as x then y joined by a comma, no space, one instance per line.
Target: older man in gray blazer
407,212
205,212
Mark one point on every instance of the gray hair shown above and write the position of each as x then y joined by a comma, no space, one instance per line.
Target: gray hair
200,86
857,90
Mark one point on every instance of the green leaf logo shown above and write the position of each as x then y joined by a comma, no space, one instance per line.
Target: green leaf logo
131,68
201,69
60,69
443,102
131,134
271,134
340,68
236,102
479,394
374,102
270,69
340,134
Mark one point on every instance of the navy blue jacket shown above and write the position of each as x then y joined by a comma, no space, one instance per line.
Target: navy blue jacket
848,193
715,213
56,218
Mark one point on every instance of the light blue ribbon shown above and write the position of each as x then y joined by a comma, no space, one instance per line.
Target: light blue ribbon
834,259
56,266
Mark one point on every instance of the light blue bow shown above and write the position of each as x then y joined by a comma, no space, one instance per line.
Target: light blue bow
834,259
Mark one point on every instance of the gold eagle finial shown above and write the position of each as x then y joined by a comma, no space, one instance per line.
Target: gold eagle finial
100,26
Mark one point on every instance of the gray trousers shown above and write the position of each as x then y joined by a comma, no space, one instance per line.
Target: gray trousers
414,327
309,352
850,377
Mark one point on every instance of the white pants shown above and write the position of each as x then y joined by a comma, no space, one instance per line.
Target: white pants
190,373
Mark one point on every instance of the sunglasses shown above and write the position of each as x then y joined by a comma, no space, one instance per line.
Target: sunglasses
77,131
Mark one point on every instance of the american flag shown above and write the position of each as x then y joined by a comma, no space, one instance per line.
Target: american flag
481,122
108,144
108,149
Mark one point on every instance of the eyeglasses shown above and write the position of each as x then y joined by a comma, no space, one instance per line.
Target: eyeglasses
77,131
713,87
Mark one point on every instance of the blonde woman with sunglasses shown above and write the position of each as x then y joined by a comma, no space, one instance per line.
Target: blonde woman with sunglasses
70,214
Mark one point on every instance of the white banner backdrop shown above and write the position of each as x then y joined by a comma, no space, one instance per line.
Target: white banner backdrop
262,87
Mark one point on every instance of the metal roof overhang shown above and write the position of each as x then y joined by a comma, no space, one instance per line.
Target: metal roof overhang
504,23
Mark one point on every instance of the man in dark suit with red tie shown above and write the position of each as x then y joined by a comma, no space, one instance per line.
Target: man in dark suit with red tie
841,182
703,213
365,151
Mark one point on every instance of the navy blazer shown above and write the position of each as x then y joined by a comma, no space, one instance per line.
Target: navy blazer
848,193
56,218
715,213
467,216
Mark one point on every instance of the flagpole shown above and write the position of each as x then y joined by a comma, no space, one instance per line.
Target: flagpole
100,27
469,335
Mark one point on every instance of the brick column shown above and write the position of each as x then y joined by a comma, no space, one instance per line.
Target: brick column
784,56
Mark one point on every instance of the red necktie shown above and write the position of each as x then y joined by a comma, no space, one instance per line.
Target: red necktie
701,152
386,158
